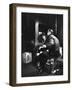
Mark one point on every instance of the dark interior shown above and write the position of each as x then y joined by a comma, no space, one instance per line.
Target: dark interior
53,21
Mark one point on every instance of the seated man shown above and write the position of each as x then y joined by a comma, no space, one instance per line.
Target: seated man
53,44
41,52
47,50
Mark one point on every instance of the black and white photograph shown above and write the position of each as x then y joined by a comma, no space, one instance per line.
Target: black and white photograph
39,44
42,44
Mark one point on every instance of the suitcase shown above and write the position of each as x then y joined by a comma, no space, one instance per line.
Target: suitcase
27,57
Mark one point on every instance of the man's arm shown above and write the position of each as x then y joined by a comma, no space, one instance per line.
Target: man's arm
50,43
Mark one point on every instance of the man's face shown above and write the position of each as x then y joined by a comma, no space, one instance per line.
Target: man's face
48,33
44,37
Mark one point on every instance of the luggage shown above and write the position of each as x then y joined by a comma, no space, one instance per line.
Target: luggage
27,57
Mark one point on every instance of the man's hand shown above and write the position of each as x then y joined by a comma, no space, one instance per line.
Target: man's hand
43,46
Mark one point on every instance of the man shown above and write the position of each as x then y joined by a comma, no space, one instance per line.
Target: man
52,43
40,52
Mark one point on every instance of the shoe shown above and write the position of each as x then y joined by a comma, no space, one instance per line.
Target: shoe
53,72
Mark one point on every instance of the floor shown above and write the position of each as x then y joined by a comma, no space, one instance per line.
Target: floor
29,70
